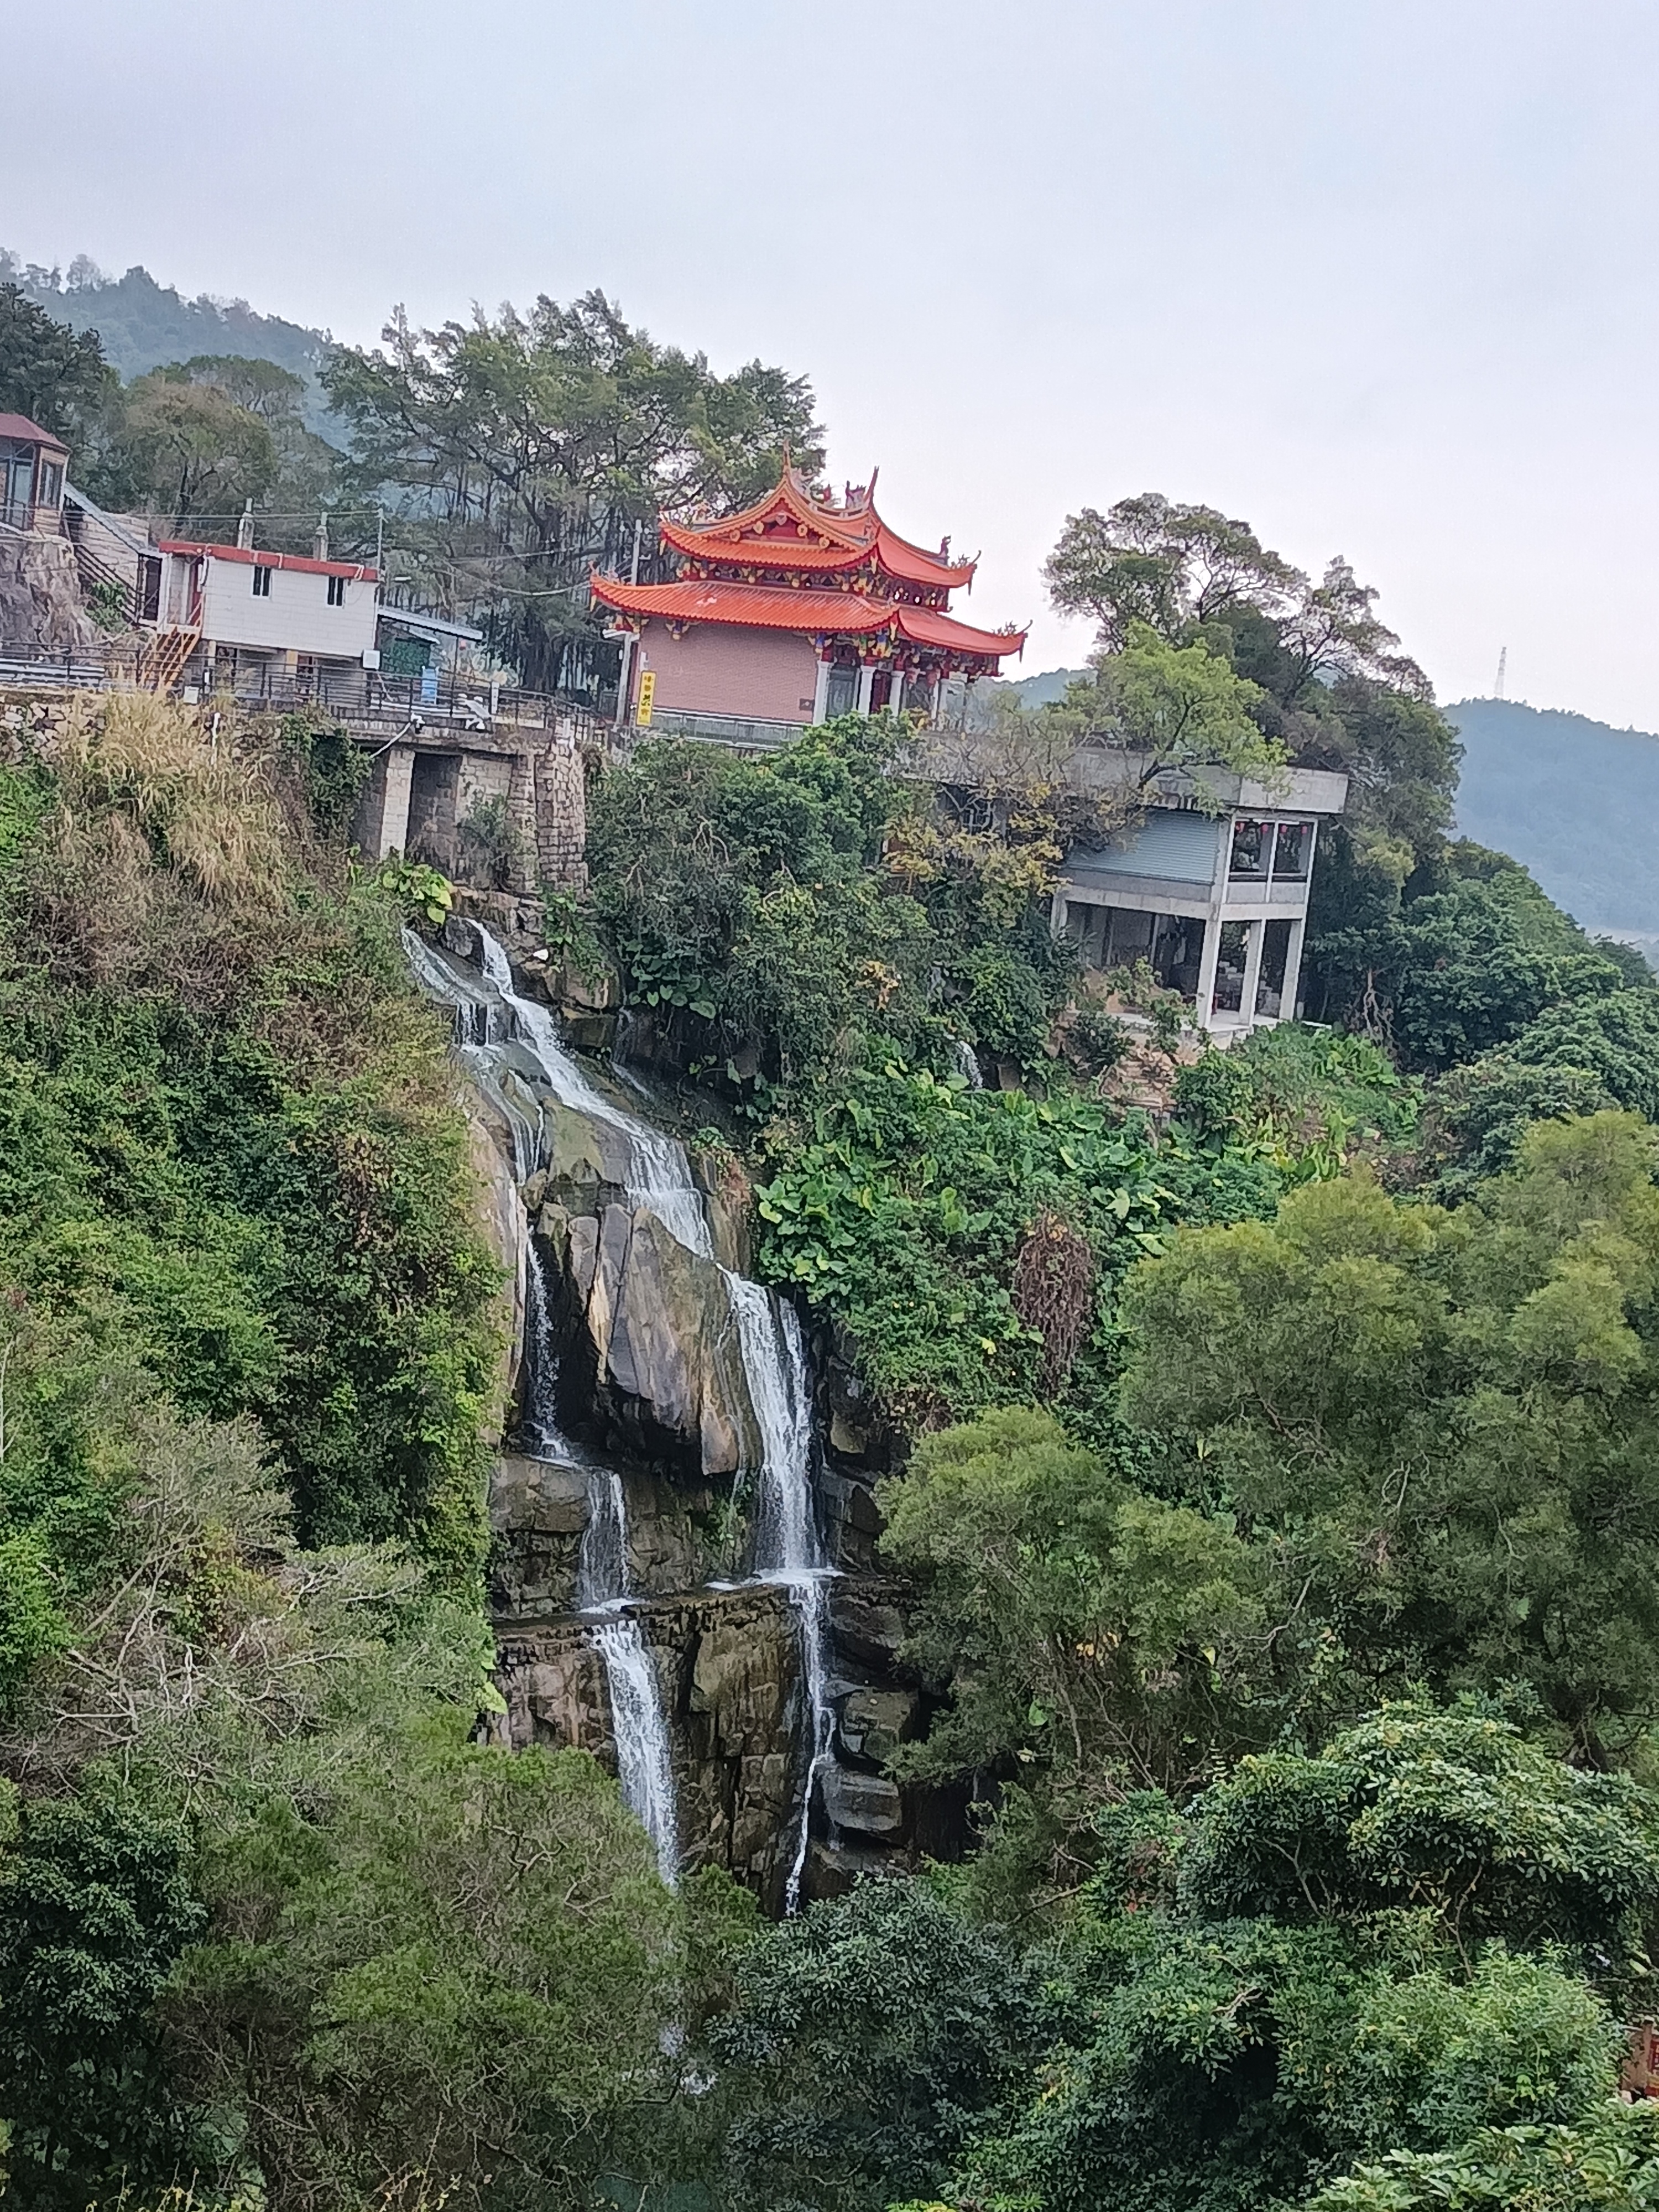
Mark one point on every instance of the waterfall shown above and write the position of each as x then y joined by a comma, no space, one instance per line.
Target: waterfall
601,1565
786,1547
537,1417
642,1762
967,1061
787,1552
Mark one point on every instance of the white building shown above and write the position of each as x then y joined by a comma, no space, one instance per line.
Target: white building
1216,903
260,607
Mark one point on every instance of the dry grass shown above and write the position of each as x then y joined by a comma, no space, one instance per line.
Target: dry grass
191,781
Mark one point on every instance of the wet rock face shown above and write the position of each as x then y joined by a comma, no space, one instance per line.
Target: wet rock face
642,1367
728,1669
652,1338
539,1516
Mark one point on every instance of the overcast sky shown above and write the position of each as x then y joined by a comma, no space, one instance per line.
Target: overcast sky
1378,275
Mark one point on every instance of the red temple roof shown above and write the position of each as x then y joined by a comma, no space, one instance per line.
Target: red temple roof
770,607
791,529
793,535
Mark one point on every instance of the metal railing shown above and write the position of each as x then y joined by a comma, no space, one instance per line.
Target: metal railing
437,703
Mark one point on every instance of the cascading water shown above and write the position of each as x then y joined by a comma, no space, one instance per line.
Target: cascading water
643,1761
787,1550
602,1567
786,1547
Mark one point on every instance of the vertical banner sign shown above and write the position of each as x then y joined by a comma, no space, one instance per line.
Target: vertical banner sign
648,693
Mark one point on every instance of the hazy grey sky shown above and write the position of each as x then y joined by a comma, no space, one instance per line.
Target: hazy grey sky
1377,275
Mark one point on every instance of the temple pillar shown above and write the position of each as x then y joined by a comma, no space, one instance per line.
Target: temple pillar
866,685
821,694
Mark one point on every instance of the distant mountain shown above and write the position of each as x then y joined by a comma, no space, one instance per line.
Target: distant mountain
1043,690
1576,800
143,324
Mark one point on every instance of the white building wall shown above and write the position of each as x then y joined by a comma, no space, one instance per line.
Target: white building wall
295,616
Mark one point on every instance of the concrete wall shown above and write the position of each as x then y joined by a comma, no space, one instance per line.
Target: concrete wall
295,616
769,674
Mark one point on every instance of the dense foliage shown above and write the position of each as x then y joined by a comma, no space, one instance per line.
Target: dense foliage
1379,1950
269,1917
519,451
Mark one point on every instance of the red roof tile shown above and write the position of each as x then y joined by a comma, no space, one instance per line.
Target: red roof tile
251,556
788,528
19,426
768,606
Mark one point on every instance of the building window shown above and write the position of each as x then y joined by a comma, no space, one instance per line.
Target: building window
1275,959
261,581
1292,850
1252,843
1109,937
1231,955
337,591
52,484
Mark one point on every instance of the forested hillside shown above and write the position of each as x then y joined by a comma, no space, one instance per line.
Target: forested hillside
1252,1457
142,323
1572,799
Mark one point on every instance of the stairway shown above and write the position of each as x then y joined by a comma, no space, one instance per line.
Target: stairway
163,662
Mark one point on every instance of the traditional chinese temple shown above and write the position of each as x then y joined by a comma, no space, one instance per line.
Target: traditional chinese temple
796,609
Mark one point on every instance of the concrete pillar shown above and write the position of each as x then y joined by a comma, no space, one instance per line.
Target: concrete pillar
1202,1011
1293,969
1253,944
866,685
397,778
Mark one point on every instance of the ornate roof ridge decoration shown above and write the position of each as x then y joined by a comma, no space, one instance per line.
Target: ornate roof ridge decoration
825,536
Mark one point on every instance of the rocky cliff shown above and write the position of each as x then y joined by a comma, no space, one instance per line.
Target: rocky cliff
633,1398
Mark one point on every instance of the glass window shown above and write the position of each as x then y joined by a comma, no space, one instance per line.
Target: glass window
337,591
261,581
1230,955
1252,843
1292,850
842,694
1275,958
1177,951
52,484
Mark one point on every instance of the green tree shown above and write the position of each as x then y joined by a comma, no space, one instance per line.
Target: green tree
1440,1427
865,2043
189,450
1088,1633
96,1905
520,452
1176,710
56,376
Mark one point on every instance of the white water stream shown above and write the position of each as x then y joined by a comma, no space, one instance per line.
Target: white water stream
786,1547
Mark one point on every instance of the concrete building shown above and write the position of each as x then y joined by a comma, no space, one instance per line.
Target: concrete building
246,610
1217,903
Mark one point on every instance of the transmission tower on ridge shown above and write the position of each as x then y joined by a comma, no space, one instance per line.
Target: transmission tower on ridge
1503,670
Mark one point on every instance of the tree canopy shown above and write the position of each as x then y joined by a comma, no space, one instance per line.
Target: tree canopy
519,451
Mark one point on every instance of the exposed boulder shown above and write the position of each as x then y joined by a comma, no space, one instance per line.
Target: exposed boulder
41,606
538,1515
654,1331
873,1723
866,1804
